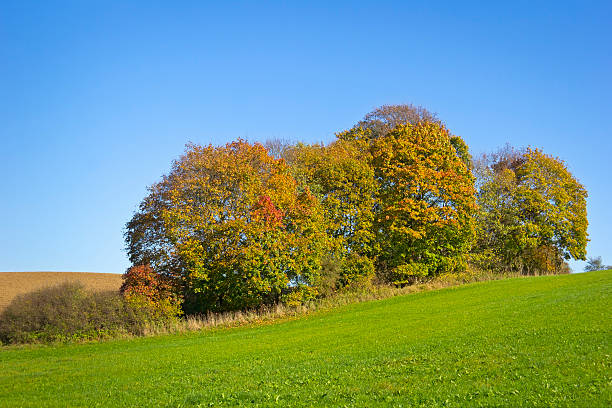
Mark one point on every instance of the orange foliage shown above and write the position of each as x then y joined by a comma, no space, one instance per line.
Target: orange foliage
232,225
425,201
143,287
266,210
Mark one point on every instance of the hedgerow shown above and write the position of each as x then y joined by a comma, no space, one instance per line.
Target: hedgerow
69,312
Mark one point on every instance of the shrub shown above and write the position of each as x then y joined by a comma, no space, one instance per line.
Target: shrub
408,274
299,295
357,271
69,312
329,277
143,288
353,272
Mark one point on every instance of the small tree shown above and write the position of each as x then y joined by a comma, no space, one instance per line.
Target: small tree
159,293
596,264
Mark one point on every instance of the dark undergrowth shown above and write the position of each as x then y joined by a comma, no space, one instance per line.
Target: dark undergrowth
69,312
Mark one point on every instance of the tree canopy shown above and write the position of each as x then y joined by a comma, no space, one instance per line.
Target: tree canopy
395,199
385,118
532,212
425,202
342,179
231,224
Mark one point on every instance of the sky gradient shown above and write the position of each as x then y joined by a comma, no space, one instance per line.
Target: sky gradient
98,98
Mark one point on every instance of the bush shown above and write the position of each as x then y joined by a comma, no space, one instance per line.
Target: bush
357,271
69,312
354,272
299,295
331,269
407,274
143,288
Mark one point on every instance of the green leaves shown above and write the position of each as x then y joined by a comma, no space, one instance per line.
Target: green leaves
232,226
400,197
341,177
425,201
532,213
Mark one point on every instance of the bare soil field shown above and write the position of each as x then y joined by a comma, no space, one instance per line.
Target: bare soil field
17,283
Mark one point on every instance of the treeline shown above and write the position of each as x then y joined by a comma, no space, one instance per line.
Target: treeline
396,199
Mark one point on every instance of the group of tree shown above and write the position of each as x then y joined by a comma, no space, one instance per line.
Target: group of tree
395,199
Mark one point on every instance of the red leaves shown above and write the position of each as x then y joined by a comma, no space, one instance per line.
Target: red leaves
266,210
142,282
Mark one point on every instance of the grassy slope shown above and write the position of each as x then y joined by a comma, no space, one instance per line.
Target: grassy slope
522,342
17,283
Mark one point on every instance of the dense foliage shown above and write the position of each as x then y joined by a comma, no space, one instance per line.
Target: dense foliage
144,288
424,199
344,184
395,199
232,227
425,202
68,312
532,213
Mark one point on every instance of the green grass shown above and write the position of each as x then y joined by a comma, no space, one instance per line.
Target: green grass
541,341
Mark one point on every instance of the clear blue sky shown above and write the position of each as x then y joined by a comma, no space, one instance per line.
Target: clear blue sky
98,98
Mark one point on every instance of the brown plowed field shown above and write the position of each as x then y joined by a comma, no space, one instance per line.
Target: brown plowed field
16,283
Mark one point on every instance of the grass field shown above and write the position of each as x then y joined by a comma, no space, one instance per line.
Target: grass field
17,283
541,341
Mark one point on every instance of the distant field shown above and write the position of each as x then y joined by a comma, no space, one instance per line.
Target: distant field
536,342
16,283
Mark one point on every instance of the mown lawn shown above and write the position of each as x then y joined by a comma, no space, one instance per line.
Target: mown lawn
541,341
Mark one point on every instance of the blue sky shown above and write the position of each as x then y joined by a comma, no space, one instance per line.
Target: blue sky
98,98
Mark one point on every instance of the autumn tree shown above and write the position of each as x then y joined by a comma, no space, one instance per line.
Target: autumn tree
532,213
232,225
343,180
278,147
386,118
424,200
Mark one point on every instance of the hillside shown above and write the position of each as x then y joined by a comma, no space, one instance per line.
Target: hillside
16,283
541,341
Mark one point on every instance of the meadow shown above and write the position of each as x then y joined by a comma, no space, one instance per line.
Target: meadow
539,341
13,284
